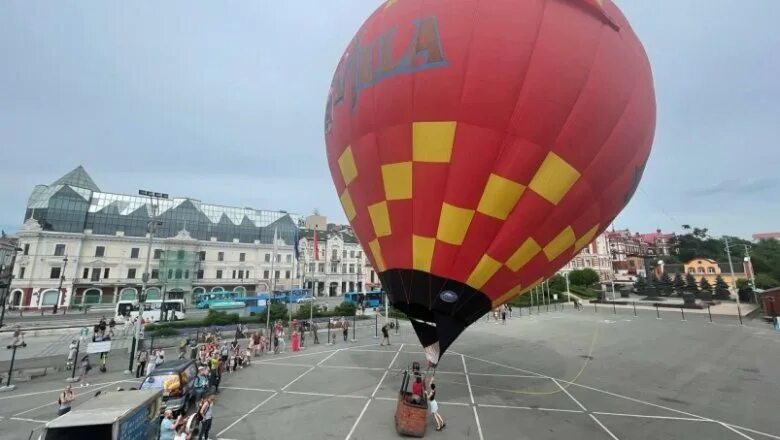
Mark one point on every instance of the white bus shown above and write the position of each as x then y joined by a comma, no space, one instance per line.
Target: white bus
173,308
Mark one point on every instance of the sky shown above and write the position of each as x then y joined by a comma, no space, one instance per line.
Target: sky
224,102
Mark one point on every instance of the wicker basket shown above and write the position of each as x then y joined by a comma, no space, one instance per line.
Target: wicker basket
410,419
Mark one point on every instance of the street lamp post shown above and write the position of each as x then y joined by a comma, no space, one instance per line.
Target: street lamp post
151,226
5,283
568,292
733,277
59,288
752,273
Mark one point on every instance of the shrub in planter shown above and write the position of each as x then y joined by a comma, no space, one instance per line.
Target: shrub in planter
215,317
161,332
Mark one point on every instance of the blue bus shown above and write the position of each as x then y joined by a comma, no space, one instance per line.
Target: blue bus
369,299
255,304
290,296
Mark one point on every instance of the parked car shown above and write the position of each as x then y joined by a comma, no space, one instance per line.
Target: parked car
176,379
305,299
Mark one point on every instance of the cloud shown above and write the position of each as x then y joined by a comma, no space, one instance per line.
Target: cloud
737,187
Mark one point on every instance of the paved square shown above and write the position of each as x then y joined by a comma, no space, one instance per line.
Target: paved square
560,375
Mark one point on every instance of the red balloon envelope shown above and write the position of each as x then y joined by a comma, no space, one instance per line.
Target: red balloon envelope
476,145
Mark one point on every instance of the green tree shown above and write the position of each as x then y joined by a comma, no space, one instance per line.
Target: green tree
664,285
690,283
305,311
652,287
583,277
706,290
347,308
721,289
558,283
764,281
679,284
279,312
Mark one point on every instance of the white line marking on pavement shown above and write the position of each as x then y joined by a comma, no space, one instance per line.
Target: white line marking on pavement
468,381
637,400
373,394
75,395
603,427
642,416
471,396
343,396
753,431
22,419
525,376
735,431
350,367
249,389
500,365
487,405
569,394
282,364
326,358
56,390
247,414
299,376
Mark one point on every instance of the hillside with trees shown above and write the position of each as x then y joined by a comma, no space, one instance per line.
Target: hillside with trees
696,242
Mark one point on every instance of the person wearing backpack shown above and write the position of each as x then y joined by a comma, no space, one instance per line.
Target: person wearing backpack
205,415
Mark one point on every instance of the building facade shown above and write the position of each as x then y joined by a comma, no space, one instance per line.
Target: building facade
85,246
340,265
594,256
628,252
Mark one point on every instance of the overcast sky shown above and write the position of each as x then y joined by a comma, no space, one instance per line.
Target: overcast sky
224,102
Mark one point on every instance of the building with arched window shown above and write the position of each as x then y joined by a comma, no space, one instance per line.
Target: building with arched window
97,244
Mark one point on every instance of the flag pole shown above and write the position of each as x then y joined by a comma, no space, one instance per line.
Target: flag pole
273,287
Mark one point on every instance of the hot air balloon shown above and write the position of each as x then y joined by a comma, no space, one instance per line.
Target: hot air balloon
477,145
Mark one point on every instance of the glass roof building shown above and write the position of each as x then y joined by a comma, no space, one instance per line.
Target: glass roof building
74,203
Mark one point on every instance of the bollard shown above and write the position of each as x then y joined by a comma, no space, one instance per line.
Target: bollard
354,338
555,306
76,361
633,303
683,313
709,313
396,326
376,326
8,386
329,326
596,307
614,309
132,351
657,313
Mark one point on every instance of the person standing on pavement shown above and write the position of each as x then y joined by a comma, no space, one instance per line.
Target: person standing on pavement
168,425
65,401
314,334
142,358
85,367
433,405
385,335
71,355
345,330
151,362
206,414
